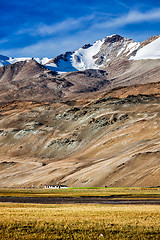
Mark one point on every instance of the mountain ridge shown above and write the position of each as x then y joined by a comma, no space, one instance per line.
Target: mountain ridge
90,56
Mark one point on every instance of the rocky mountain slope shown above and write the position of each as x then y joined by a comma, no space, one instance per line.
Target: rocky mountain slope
95,124
31,81
96,142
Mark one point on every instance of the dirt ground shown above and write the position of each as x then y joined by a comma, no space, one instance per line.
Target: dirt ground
81,200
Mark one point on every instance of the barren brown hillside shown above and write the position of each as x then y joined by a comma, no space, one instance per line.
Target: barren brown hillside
109,139
30,81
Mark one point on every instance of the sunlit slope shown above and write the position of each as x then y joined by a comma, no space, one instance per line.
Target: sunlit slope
107,141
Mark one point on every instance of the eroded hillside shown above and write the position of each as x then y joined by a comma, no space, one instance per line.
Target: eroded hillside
104,140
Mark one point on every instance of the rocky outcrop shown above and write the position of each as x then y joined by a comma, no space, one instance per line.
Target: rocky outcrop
63,57
113,39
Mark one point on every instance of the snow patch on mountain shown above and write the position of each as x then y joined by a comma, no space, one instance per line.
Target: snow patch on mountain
14,60
128,47
150,51
131,47
79,60
83,58
9,60
42,61
63,65
121,50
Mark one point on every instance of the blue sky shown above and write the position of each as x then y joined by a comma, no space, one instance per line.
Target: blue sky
42,28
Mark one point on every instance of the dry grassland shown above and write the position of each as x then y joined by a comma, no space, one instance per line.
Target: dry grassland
31,221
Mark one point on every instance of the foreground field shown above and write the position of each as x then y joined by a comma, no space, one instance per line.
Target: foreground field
30,221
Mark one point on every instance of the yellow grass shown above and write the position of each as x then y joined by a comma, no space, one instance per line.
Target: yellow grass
33,221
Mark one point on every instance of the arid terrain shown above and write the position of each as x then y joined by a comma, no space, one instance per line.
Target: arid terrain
84,128
109,141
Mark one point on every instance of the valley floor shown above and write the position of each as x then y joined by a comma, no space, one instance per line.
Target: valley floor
105,195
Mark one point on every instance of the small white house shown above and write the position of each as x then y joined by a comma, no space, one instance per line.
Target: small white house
55,186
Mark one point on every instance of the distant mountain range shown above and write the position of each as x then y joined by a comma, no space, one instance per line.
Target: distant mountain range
98,55
112,62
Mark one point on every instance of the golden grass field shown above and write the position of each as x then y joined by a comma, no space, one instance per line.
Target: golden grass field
80,221
33,221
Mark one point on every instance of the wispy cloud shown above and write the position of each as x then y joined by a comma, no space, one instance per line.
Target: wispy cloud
3,41
46,48
70,24
121,3
43,48
71,33
93,22
133,17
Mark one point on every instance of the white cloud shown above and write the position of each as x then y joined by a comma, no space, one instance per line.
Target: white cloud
132,17
64,26
46,48
89,29
42,48
122,4
3,41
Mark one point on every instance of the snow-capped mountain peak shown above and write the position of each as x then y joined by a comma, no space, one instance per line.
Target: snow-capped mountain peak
83,58
149,51
94,56
10,60
97,55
